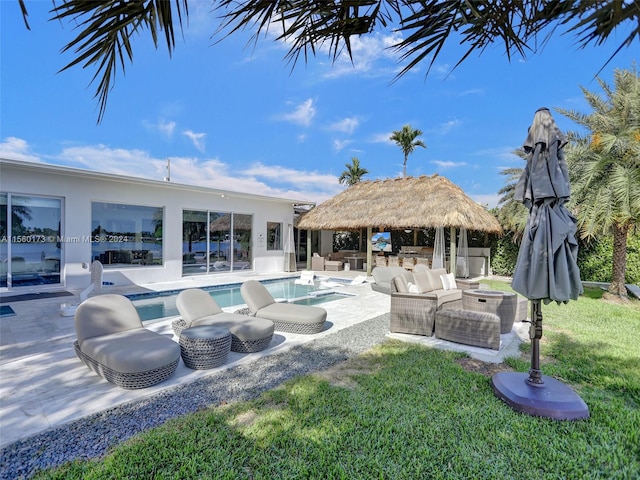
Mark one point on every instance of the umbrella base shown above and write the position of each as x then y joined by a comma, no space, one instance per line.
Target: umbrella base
553,399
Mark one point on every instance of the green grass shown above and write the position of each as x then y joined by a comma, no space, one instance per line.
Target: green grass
403,411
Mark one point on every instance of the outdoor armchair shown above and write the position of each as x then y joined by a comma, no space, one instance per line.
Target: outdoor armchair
287,317
112,342
197,308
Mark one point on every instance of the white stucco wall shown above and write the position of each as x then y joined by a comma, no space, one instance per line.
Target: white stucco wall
79,189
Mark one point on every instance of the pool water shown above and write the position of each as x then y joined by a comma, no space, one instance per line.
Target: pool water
321,298
156,305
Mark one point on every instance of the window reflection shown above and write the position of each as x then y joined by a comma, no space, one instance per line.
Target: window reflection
126,235
30,240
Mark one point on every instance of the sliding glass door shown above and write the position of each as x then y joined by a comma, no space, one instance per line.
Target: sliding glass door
31,240
215,241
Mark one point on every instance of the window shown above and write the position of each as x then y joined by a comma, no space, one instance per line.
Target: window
30,240
274,236
126,235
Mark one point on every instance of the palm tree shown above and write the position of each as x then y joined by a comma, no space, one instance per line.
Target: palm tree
512,214
353,174
406,140
106,28
604,167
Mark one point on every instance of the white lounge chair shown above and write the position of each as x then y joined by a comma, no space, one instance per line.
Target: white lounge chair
197,308
113,343
306,278
287,317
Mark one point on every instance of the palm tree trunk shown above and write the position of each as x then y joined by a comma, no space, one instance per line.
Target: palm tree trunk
404,166
617,286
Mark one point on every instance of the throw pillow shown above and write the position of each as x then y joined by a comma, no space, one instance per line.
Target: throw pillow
448,281
413,288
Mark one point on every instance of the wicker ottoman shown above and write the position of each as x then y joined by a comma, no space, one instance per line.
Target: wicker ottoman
206,346
522,309
503,304
480,329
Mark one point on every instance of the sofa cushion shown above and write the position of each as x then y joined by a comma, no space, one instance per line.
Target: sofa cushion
401,283
434,276
423,280
386,274
132,351
244,327
256,295
446,296
194,303
290,312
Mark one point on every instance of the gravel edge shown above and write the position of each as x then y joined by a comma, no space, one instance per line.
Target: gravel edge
94,435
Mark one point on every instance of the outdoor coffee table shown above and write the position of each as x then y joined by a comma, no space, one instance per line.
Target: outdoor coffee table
205,346
503,304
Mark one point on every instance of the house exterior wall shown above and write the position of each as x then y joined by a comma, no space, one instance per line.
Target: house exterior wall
79,188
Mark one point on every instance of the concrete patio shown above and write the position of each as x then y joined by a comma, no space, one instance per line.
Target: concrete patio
45,385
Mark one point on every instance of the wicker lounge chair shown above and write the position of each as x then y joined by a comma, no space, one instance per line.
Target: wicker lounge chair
287,317
198,308
113,343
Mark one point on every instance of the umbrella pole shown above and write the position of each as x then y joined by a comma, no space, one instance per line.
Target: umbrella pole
533,395
535,334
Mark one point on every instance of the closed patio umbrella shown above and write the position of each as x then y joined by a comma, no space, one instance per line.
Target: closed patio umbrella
289,252
546,269
438,249
462,260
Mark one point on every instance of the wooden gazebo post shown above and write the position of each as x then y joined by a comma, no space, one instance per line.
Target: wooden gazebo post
369,250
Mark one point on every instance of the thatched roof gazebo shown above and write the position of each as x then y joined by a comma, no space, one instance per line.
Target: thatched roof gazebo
400,203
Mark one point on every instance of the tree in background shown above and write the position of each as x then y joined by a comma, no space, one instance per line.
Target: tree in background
512,214
106,28
353,174
604,167
406,140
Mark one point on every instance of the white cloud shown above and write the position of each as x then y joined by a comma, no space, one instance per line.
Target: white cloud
166,128
441,70
196,138
346,125
382,138
163,127
259,179
471,91
120,161
446,127
446,164
302,114
502,153
489,200
14,148
368,52
340,144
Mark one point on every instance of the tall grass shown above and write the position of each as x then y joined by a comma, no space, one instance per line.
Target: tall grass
403,411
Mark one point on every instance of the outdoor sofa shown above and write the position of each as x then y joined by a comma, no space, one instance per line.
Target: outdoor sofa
198,308
287,317
112,342
383,277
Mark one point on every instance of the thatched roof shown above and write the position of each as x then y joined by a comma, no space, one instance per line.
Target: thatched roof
409,202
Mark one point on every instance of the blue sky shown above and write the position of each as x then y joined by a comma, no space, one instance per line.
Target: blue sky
236,117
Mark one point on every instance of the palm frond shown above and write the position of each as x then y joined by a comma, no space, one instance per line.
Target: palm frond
106,29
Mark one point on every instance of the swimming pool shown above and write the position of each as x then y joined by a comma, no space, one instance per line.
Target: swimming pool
156,305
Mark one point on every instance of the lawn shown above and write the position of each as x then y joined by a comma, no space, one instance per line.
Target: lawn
402,411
